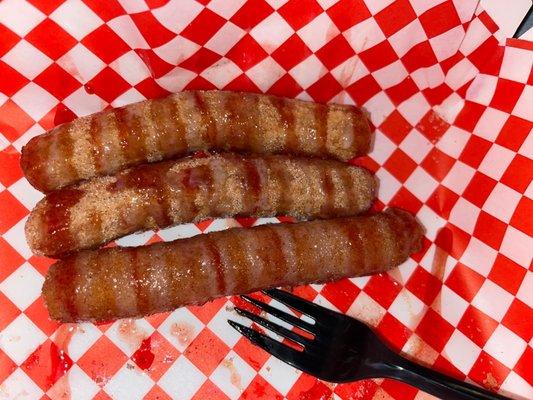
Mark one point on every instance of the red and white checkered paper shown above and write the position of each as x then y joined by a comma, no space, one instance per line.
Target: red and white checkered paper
452,106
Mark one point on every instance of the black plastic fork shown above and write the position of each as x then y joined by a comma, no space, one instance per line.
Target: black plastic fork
341,349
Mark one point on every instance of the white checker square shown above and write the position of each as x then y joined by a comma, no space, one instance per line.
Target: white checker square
490,124
177,14
182,380
81,386
407,308
465,9
429,259
19,59
83,337
364,35
419,349
461,73
502,194
493,300
505,346
390,75
388,185
527,147
221,73
431,221
482,89
515,385
129,383
180,328
224,39
128,334
452,306
176,80
219,324
496,161
360,281
226,8
450,108
130,96
308,71
517,246
318,32
265,73
17,239
233,375
416,146
523,107
321,301
81,63
279,374
461,351
376,6
459,177
421,184
414,108
382,148
366,309
349,71
179,49
23,286
421,6
380,107
479,257
83,103
477,34
35,101
513,66
446,44
428,77
131,68
126,29
18,385
76,18
20,16
276,4
179,232
407,37
3,141
133,6
20,339
135,239
403,272
525,292
272,32
35,130
464,215
25,193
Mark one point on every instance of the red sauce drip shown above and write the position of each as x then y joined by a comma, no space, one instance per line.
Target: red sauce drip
321,118
217,264
210,132
88,88
130,135
196,178
253,181
444,242
144,357
60,362
56,218
63,115
287,119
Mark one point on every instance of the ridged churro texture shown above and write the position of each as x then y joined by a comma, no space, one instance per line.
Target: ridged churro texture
153,130
110,283
166,193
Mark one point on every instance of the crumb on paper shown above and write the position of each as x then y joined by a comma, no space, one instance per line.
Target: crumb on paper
490,382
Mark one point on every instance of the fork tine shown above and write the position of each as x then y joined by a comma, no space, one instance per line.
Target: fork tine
293,357
274,327
306,307
280,314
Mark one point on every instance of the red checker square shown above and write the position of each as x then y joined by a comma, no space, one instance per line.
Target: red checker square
519,319
309,387
490,230
347,13
443,365
106,10
60,114
203,27
395,16
523,366
38,314
469,116
247,53
41,264
108,84
365,389
395,127
200,60
479,189
475,150
432,126
521,218
514,176
155,64
11,259
206,351
424,285
105,43
260,389
378,56
383,289
324,89
465,281
488,22
365,162
335,52
207,311
438,94
46,365
341,294
507,274
47,6
399,390
14,120
434,330
402,91
9,39
291,52
251,13
406,200
11,211
442,201
393,332
514,133
363,89
488,372
299,13
506,95
9,311
162,351
7,366
488,56
209,391
51,39
242,83
151,89
12,81
286,86
102,360
156,393
157,319
57,81
254,356
477,326
421,55
306,292
439,19
10,161
438,164
400,165
152,30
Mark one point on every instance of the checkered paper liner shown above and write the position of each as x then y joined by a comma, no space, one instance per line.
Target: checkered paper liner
451,103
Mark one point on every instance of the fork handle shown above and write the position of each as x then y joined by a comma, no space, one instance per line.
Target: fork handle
436,383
